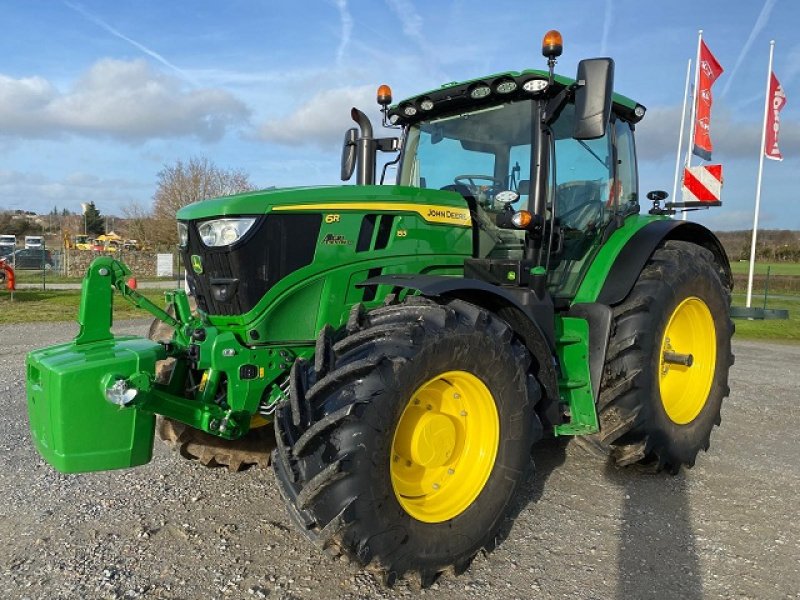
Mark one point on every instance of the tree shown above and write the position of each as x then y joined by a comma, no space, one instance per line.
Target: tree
184,183
139,224
94,221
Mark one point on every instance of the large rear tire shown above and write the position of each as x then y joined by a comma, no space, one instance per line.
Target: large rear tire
405,443
667,363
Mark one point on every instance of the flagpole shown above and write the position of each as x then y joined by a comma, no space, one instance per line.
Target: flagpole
760,174
692,123
680,135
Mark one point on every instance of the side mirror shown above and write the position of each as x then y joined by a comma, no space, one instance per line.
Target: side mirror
593,98
349,153
657,195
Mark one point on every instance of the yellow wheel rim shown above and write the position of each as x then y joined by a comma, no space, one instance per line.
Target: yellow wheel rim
444,446
688,359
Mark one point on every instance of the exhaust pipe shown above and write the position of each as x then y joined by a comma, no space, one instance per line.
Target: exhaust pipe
365,149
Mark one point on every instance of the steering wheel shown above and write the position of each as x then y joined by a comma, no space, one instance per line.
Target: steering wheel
469,181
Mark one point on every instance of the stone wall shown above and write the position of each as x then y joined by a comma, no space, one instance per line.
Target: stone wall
141,263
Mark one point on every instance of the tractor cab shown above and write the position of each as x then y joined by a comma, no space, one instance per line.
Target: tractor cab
546,164
485,155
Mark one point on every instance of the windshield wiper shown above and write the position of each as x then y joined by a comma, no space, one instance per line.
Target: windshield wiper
592,152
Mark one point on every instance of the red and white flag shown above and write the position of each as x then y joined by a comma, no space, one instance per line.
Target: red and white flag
777,100
709,71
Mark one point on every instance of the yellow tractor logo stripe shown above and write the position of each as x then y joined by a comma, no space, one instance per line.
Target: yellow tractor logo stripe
432,213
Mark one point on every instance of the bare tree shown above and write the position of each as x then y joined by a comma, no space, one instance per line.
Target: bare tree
187,182
139,224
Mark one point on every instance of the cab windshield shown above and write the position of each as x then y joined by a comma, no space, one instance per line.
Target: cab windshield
485,151
477,154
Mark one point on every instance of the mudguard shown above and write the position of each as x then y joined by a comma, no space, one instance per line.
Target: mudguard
637,251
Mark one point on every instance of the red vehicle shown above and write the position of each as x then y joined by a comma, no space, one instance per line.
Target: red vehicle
6,275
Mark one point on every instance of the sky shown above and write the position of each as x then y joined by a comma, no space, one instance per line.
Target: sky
96,97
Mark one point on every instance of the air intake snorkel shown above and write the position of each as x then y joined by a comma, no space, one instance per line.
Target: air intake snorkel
361,147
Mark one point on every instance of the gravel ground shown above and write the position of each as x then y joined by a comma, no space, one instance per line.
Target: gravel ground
729,528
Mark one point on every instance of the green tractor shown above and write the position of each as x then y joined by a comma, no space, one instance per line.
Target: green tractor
410,343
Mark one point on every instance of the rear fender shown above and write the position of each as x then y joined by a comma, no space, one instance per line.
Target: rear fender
633,256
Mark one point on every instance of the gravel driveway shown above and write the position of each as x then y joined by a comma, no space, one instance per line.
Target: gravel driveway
729,528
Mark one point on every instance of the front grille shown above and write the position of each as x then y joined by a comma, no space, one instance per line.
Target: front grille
234,278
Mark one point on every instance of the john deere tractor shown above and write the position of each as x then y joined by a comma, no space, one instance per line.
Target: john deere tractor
410,342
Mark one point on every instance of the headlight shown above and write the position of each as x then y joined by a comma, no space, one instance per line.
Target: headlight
183,234
223,232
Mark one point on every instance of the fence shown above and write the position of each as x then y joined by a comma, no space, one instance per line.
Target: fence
74,263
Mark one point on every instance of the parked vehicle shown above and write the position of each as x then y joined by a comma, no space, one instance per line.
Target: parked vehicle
31,258
34,241
79,241
8,243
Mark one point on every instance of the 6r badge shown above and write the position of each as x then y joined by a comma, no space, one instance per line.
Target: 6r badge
197,264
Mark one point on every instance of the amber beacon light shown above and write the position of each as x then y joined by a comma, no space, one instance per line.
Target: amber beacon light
552,44
384,95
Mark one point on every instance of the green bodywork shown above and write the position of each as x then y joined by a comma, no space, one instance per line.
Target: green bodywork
572,334
74,423
62,382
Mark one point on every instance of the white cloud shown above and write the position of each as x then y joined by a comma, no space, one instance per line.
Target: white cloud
608,17
409,18
760,23
127,100
323,119
150,52
657,135
40,192
346,20
792,66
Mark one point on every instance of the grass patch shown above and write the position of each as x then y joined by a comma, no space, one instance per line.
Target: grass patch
27,276
783,277
50,277
780,330
62,305
782,268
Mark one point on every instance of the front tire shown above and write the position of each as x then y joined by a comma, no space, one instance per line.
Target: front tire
405,443
667,363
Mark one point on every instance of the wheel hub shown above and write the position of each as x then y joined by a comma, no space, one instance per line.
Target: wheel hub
434,440
687,360
444,446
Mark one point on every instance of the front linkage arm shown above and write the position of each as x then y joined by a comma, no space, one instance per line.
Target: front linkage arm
226,397
95,317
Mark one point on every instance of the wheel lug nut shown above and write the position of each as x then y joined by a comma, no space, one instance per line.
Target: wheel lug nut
450,471
436,486
457,396
429,407
463,413
408,463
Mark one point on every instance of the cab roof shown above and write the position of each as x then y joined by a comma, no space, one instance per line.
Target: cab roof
454,96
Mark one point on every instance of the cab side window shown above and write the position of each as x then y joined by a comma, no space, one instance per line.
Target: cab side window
627,184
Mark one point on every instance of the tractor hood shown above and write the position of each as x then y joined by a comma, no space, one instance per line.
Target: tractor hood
293,235
324,198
